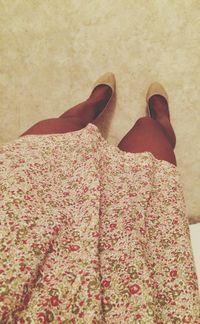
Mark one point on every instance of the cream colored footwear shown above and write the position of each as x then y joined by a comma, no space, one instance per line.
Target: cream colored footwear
107,79
155,88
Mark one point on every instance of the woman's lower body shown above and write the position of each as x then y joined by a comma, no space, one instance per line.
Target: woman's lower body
153,134
89,237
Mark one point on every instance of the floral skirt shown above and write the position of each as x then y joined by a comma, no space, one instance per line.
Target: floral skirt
92,234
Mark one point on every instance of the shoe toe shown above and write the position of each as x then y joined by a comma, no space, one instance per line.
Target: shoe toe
107,79
156,89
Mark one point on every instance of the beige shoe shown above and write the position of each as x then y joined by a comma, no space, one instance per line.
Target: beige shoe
107,79
155,88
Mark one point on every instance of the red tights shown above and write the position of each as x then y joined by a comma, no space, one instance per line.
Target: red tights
148,134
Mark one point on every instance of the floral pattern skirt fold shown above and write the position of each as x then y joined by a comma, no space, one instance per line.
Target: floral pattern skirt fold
92,234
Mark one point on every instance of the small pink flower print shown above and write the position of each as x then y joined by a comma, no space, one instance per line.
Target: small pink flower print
132,194
81,303
26,299
67,240
95,234
56,228
175,221
27,197
65,194
122,257
42,317
98,297
47,278
142,231
105,283
112,226
173,273
134,289
22,267
67,306
128,228
86,274
54,301
137,316
74,247
192,285
81,314
187,319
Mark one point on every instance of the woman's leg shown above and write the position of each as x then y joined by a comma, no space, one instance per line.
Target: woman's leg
76,117
153,134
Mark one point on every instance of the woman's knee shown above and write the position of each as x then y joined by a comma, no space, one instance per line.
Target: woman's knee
54,126
146,121
147,135
151,128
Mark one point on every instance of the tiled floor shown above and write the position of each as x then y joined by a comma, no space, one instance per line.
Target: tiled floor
53,51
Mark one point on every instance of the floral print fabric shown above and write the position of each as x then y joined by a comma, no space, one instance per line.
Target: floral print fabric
92,234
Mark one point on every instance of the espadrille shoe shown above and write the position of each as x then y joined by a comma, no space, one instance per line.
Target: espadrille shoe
107,79
155,89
